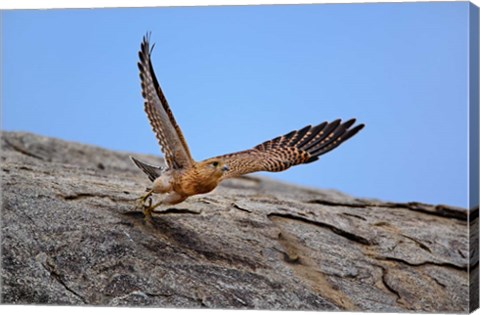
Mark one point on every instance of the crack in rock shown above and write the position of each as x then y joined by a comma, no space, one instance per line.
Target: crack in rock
350,236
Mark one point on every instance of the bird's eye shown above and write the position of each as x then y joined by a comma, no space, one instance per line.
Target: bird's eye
215,164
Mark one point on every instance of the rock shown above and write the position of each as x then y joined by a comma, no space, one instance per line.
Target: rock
71,235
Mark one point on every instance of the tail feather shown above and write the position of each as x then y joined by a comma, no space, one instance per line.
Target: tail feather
151,170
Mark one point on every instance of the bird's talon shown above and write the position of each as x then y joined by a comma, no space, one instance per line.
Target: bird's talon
140,201
147,212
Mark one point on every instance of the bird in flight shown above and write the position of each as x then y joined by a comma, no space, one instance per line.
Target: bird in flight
183,177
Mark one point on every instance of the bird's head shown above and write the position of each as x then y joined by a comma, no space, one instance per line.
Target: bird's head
213,168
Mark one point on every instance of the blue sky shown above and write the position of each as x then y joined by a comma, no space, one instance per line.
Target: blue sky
237,76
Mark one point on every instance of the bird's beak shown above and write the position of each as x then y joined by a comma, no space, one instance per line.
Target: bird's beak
225,168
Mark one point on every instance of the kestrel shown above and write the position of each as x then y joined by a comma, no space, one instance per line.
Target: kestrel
183,177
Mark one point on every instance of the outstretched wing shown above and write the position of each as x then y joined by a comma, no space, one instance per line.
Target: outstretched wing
297,147
161,119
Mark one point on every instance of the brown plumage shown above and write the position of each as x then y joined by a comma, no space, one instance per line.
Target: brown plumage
183,177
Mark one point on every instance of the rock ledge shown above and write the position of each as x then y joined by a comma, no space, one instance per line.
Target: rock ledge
69,236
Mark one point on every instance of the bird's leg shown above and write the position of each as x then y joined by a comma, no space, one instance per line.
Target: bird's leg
147,210
171,199
141,199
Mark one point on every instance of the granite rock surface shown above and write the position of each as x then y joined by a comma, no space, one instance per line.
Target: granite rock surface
71,236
